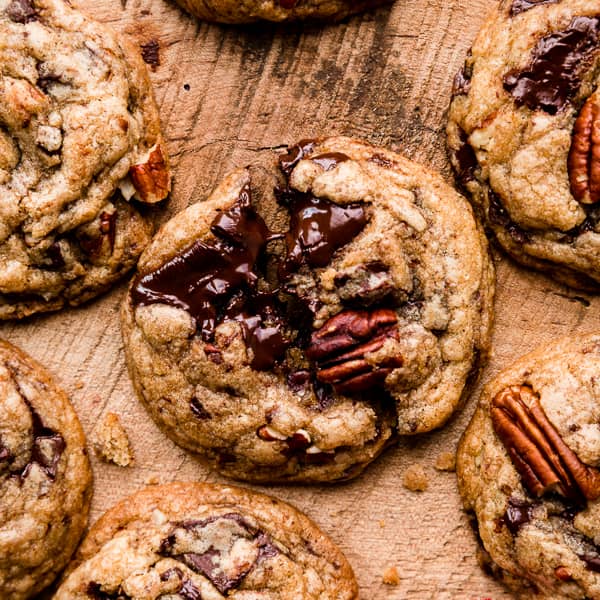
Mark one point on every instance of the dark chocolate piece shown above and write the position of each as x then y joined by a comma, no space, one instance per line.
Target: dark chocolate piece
295,154
558,62
519,6
150,53
518,513
318,228
592,561
466,161
330,160
198,410
189,591
94,591
55,255
499,216
287,3
216,281
462,80
21,11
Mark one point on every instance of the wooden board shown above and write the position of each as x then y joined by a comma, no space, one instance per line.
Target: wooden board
228,97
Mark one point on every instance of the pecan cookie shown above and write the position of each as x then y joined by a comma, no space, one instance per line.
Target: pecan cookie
524,134
193,541
79,142
45,477
247,11
289,333
528,468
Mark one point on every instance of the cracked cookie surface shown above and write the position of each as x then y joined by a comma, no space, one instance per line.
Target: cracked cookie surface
527,467
524,138
186,540
45,477
80,141
292,324
247,11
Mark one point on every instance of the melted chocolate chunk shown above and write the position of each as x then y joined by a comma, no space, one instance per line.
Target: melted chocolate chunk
558,61
519,6
150,53
318,228
198,410
518,513
216,281
330,160
466,161
94,591
209,563
592,561
499,216
55,255
189,591
298,381
288,3
21,11
295,154
47,446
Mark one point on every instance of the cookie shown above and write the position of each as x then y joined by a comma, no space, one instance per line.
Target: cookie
192,541
290,326
80,143
248,11
523,134
528,468
45,477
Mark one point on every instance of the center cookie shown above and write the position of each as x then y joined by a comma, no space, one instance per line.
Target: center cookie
80,145
247,11
289,334
524,134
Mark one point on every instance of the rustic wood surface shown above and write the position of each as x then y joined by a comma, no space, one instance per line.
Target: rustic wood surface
230,96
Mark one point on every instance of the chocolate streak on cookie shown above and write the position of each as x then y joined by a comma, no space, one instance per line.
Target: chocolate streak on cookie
558,61
48,445
216,282
210,563
519,6
518,513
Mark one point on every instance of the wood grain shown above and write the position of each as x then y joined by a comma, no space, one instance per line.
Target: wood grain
231,96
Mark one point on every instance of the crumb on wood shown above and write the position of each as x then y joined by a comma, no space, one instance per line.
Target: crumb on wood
150,53
152,480
415,479
111,442
391,576
446,461
382,523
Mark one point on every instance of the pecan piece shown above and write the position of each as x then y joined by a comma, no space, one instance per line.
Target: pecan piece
340,345
537,451
584,155
151,178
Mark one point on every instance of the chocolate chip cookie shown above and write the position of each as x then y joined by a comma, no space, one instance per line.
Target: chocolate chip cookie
80,145
528,468
247,11
290,325
45,477
193,541
524,134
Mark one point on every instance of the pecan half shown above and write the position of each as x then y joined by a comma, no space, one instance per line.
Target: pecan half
340,346
151,178
544,461
584,155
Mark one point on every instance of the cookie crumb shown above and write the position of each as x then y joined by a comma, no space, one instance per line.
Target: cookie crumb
111,442
391,576
446,461
382,523
79,385
150,53
415,479
152,480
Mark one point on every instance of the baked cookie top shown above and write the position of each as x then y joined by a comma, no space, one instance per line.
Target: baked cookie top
247,11
289,327
524,133
186,540
79,138
45,477
528,467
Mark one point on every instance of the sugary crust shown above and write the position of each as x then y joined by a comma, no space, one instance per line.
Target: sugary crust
41,521
66,231
564,375
520,182
248,11
184,502
416,215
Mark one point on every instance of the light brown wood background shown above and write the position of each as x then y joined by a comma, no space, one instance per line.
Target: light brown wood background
384,76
